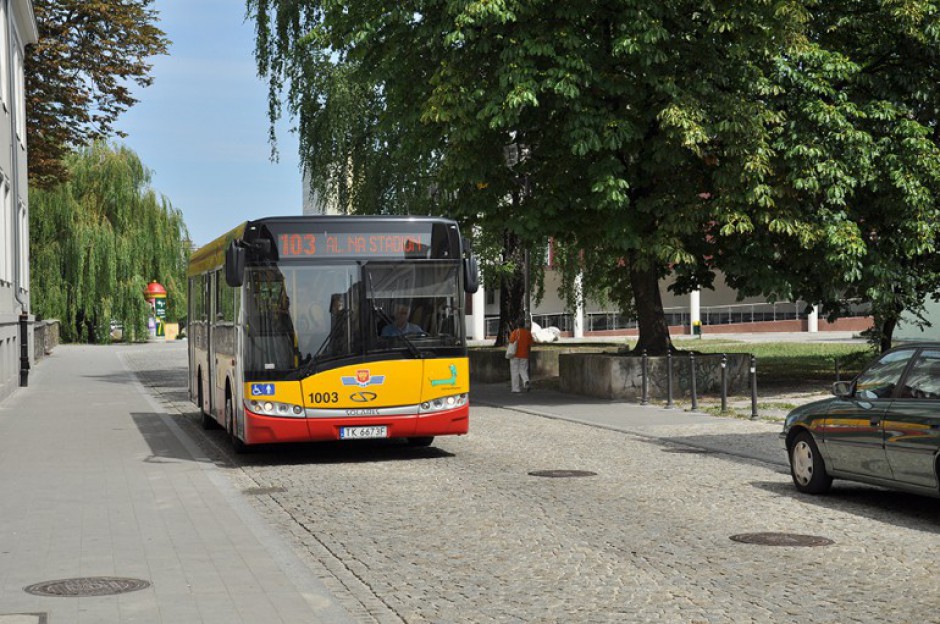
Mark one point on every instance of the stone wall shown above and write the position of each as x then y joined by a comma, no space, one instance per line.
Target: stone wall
614,376
491,365
45,338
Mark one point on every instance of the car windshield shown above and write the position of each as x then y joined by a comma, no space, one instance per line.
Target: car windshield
880,379
300,319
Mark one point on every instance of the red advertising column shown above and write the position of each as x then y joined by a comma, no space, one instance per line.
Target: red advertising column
155,294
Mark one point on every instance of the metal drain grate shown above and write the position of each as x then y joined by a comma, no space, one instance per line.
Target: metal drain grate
89,586
561,474
782,539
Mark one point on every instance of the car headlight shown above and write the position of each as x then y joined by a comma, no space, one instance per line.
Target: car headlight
271,408
443,403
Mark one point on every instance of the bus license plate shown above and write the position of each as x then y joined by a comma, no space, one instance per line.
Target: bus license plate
362,433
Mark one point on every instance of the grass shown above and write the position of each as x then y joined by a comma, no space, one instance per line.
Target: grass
791,363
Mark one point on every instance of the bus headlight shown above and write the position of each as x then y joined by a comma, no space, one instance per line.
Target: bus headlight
443,403
270,408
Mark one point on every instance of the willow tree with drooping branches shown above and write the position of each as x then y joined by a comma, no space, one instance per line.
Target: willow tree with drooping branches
98,239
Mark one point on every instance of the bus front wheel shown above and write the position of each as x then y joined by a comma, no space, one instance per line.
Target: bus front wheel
208,422
237,445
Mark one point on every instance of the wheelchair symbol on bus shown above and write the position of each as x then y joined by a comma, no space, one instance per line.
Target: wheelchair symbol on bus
262,389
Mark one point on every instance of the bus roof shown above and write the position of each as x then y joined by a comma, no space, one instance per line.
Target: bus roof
212,255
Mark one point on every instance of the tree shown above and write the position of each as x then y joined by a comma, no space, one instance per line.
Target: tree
77,75
860,154
98,239
676,137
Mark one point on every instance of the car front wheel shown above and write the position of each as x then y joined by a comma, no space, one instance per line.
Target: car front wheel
807,467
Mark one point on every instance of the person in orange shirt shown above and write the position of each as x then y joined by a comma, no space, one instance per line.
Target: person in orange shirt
519,363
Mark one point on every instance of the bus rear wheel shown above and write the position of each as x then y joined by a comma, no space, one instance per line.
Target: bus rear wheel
237,445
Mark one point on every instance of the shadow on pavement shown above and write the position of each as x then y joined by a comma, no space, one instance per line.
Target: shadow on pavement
164,445
363,451
911,511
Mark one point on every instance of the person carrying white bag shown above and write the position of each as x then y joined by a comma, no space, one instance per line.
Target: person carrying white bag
517,352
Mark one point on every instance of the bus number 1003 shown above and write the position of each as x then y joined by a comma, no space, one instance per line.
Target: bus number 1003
324,397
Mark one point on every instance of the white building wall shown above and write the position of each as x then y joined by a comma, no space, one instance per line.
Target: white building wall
719,299
17,29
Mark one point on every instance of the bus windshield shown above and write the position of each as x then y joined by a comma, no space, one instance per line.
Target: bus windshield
304,318
413,305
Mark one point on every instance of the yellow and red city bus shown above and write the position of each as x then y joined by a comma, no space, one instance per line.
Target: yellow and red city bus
332,328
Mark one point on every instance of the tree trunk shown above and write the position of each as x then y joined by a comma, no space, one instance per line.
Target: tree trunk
651,318
511,288
886,336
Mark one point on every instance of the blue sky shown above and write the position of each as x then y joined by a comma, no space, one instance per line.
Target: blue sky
202,127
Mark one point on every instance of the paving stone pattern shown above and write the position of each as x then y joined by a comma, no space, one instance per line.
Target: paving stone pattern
460,532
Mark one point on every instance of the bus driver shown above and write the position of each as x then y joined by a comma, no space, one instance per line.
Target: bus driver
400,325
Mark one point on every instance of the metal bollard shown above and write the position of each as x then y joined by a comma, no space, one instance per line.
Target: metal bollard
645,381
669,379
724,383
692,381
753,387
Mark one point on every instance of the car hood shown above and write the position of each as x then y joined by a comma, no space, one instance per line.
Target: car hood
814,408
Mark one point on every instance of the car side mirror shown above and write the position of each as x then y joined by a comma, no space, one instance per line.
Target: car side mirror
234,265
842,389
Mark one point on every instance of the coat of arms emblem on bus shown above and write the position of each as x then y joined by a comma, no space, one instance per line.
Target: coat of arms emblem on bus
363,378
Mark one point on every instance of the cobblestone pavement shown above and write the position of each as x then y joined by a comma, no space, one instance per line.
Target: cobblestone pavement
461,532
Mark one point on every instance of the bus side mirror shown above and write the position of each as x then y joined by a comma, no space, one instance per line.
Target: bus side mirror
471,275
234,265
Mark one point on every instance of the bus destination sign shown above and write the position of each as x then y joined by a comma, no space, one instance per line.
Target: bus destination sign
354,244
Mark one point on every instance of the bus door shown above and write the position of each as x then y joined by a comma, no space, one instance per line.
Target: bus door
210,338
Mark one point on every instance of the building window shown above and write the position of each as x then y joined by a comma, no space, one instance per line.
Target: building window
4,56
19,95
7,234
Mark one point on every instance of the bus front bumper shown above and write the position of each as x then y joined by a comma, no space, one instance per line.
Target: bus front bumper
261,429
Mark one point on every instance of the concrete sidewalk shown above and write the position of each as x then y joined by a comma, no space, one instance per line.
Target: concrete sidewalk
748,439
98,481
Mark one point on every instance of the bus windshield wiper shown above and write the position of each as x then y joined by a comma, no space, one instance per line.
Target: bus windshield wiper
412,349
310,366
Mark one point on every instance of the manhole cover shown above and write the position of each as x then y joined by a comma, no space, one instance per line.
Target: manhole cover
684,450
558,474
89,586
260,491
782,539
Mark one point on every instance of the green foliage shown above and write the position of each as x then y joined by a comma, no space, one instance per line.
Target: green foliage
792,145
856,164
77,75
97,240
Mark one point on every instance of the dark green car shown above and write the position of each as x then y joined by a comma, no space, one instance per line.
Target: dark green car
882,428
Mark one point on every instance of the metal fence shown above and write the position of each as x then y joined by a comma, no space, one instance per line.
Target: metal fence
679,317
